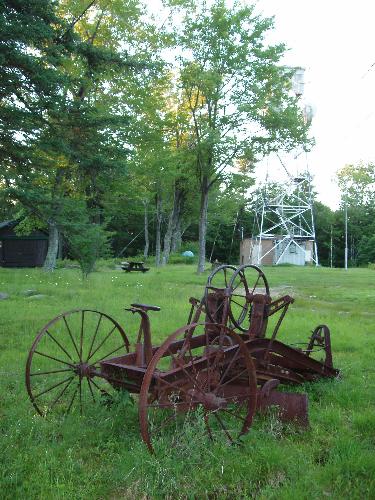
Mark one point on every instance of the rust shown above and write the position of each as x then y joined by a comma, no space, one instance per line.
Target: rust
228,366
290,406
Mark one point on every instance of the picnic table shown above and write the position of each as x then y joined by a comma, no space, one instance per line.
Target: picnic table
134,266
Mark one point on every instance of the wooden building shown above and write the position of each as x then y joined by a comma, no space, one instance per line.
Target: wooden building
278,250
21,251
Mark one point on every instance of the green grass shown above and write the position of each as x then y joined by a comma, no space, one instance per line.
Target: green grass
101,455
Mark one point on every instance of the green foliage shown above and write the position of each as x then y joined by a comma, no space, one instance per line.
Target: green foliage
357,183
87,244
366,250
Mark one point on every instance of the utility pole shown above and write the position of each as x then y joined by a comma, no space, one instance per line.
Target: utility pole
346,235
331,249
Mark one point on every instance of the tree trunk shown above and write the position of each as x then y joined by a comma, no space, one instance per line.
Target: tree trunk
177,237
203,226
53,246
147,239
173,222
158,229
60,253
167,239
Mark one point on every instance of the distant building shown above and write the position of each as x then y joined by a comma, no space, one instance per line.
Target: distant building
21,251
277,250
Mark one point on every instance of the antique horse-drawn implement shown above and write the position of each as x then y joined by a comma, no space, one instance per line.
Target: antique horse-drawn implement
224,367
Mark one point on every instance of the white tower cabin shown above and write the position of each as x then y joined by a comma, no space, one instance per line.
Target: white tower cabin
284,220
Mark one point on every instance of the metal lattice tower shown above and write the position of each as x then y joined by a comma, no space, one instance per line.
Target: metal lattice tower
286,219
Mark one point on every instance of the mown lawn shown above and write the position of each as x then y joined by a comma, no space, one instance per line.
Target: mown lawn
101,455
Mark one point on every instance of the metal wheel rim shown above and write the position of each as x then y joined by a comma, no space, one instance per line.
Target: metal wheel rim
72,367
216,271
237,322
152,368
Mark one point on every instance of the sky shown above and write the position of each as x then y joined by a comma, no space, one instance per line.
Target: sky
334,40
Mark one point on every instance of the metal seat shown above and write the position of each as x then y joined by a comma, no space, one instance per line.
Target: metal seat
146,307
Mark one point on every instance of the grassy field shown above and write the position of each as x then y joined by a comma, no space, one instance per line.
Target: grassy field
101,455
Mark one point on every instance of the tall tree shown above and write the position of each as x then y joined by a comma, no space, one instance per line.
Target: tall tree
239,95
357,184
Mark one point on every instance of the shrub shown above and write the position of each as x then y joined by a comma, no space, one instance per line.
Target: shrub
87,245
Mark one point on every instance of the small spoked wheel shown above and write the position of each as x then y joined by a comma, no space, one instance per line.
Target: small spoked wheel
201,371
245,282
63,366
215,293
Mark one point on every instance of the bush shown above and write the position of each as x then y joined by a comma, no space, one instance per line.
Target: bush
177,258
193,246
87,245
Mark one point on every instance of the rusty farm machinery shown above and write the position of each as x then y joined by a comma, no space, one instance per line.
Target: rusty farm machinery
221,366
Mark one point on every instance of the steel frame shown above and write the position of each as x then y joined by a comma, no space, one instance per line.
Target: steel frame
287,219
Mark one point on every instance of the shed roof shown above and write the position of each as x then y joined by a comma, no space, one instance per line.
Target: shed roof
7,226
9,223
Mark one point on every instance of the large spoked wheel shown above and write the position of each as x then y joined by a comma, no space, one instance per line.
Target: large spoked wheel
247,281
201,371
64,361
215,300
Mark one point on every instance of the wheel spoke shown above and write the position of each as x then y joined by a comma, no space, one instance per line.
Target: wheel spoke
218,418
208,361
100,389
207,422
240,305
61,393
52,371
234,415
53,387
238,375
101,343
174,386
73,398
239,283
109,354
91,391
220,306
194,381
71,336
94,337
81,336
54,359
229,366
256,283
80,395
58,343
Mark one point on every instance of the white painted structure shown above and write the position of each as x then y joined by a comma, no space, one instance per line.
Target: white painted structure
285,229
276,251
285,226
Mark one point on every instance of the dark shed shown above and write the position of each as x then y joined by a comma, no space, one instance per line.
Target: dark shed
21,251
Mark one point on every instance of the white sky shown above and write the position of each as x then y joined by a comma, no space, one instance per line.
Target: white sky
334,41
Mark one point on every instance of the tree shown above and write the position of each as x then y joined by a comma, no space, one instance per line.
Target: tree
357,184
239,96
78,140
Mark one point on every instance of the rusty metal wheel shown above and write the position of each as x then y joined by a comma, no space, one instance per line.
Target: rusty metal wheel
65,358
247,281
200,371
215,293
